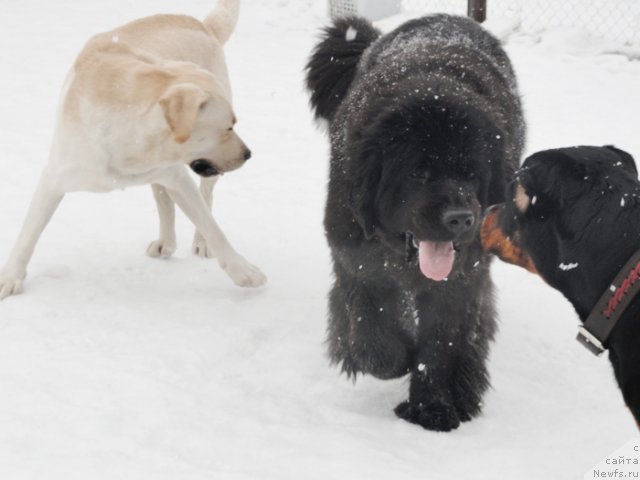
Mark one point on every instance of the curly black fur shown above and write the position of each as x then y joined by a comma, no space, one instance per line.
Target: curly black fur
424,122
334,61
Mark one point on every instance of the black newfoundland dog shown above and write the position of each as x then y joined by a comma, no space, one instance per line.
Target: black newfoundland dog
576,213
426,127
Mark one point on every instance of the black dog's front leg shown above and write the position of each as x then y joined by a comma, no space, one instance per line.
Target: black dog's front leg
449,374
365,334
430,401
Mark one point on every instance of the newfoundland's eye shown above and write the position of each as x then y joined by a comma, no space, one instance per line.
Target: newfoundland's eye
420,174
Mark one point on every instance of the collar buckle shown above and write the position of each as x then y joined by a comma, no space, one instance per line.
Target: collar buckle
590,341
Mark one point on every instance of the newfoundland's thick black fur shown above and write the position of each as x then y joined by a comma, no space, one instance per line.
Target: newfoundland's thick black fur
576,212
425,126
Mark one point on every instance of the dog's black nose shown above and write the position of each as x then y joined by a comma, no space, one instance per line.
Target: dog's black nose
458,221
247,154
204,168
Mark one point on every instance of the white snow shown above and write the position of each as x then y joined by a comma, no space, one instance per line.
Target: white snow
567,266
115,365
351,34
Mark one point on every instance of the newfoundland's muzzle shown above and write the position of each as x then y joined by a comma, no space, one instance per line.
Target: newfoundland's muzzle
204,168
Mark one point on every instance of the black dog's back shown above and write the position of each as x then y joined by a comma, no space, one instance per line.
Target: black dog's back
441,31
353,43
355,68
444,54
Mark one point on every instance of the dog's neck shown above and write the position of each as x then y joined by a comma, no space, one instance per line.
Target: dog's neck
622,331
613,306
624,355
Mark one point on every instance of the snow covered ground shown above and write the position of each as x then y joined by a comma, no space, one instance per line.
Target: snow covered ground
115,365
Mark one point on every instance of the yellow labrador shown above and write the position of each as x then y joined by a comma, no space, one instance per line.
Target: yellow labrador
140,104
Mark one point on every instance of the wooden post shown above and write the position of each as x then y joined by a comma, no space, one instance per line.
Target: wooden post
477,9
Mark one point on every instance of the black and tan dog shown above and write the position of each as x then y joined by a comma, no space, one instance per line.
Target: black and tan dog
573,216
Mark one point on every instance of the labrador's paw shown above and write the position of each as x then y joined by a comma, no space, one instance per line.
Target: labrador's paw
242,272
9,286
161,249
200,247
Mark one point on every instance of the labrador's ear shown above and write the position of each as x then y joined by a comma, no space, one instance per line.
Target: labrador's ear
180,105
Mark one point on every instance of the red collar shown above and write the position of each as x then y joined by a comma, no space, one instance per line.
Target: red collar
612,304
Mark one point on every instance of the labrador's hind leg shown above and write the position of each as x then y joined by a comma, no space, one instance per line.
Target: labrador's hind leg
165,245
45,200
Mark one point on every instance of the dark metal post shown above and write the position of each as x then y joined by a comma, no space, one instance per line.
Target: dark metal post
477,9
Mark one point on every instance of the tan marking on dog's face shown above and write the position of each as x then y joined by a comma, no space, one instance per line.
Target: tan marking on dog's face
521,199
496,242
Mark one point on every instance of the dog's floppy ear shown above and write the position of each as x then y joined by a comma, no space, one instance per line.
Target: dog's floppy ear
498,180
180,105
501,168
627,160
366,178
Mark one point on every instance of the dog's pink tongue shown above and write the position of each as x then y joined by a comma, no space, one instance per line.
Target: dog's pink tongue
436,259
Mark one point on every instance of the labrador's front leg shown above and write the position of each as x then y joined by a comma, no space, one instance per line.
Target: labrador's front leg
200,246
185,193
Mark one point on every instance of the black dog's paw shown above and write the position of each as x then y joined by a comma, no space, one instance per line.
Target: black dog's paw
463,415
467,395
467,410
439,417
348,366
